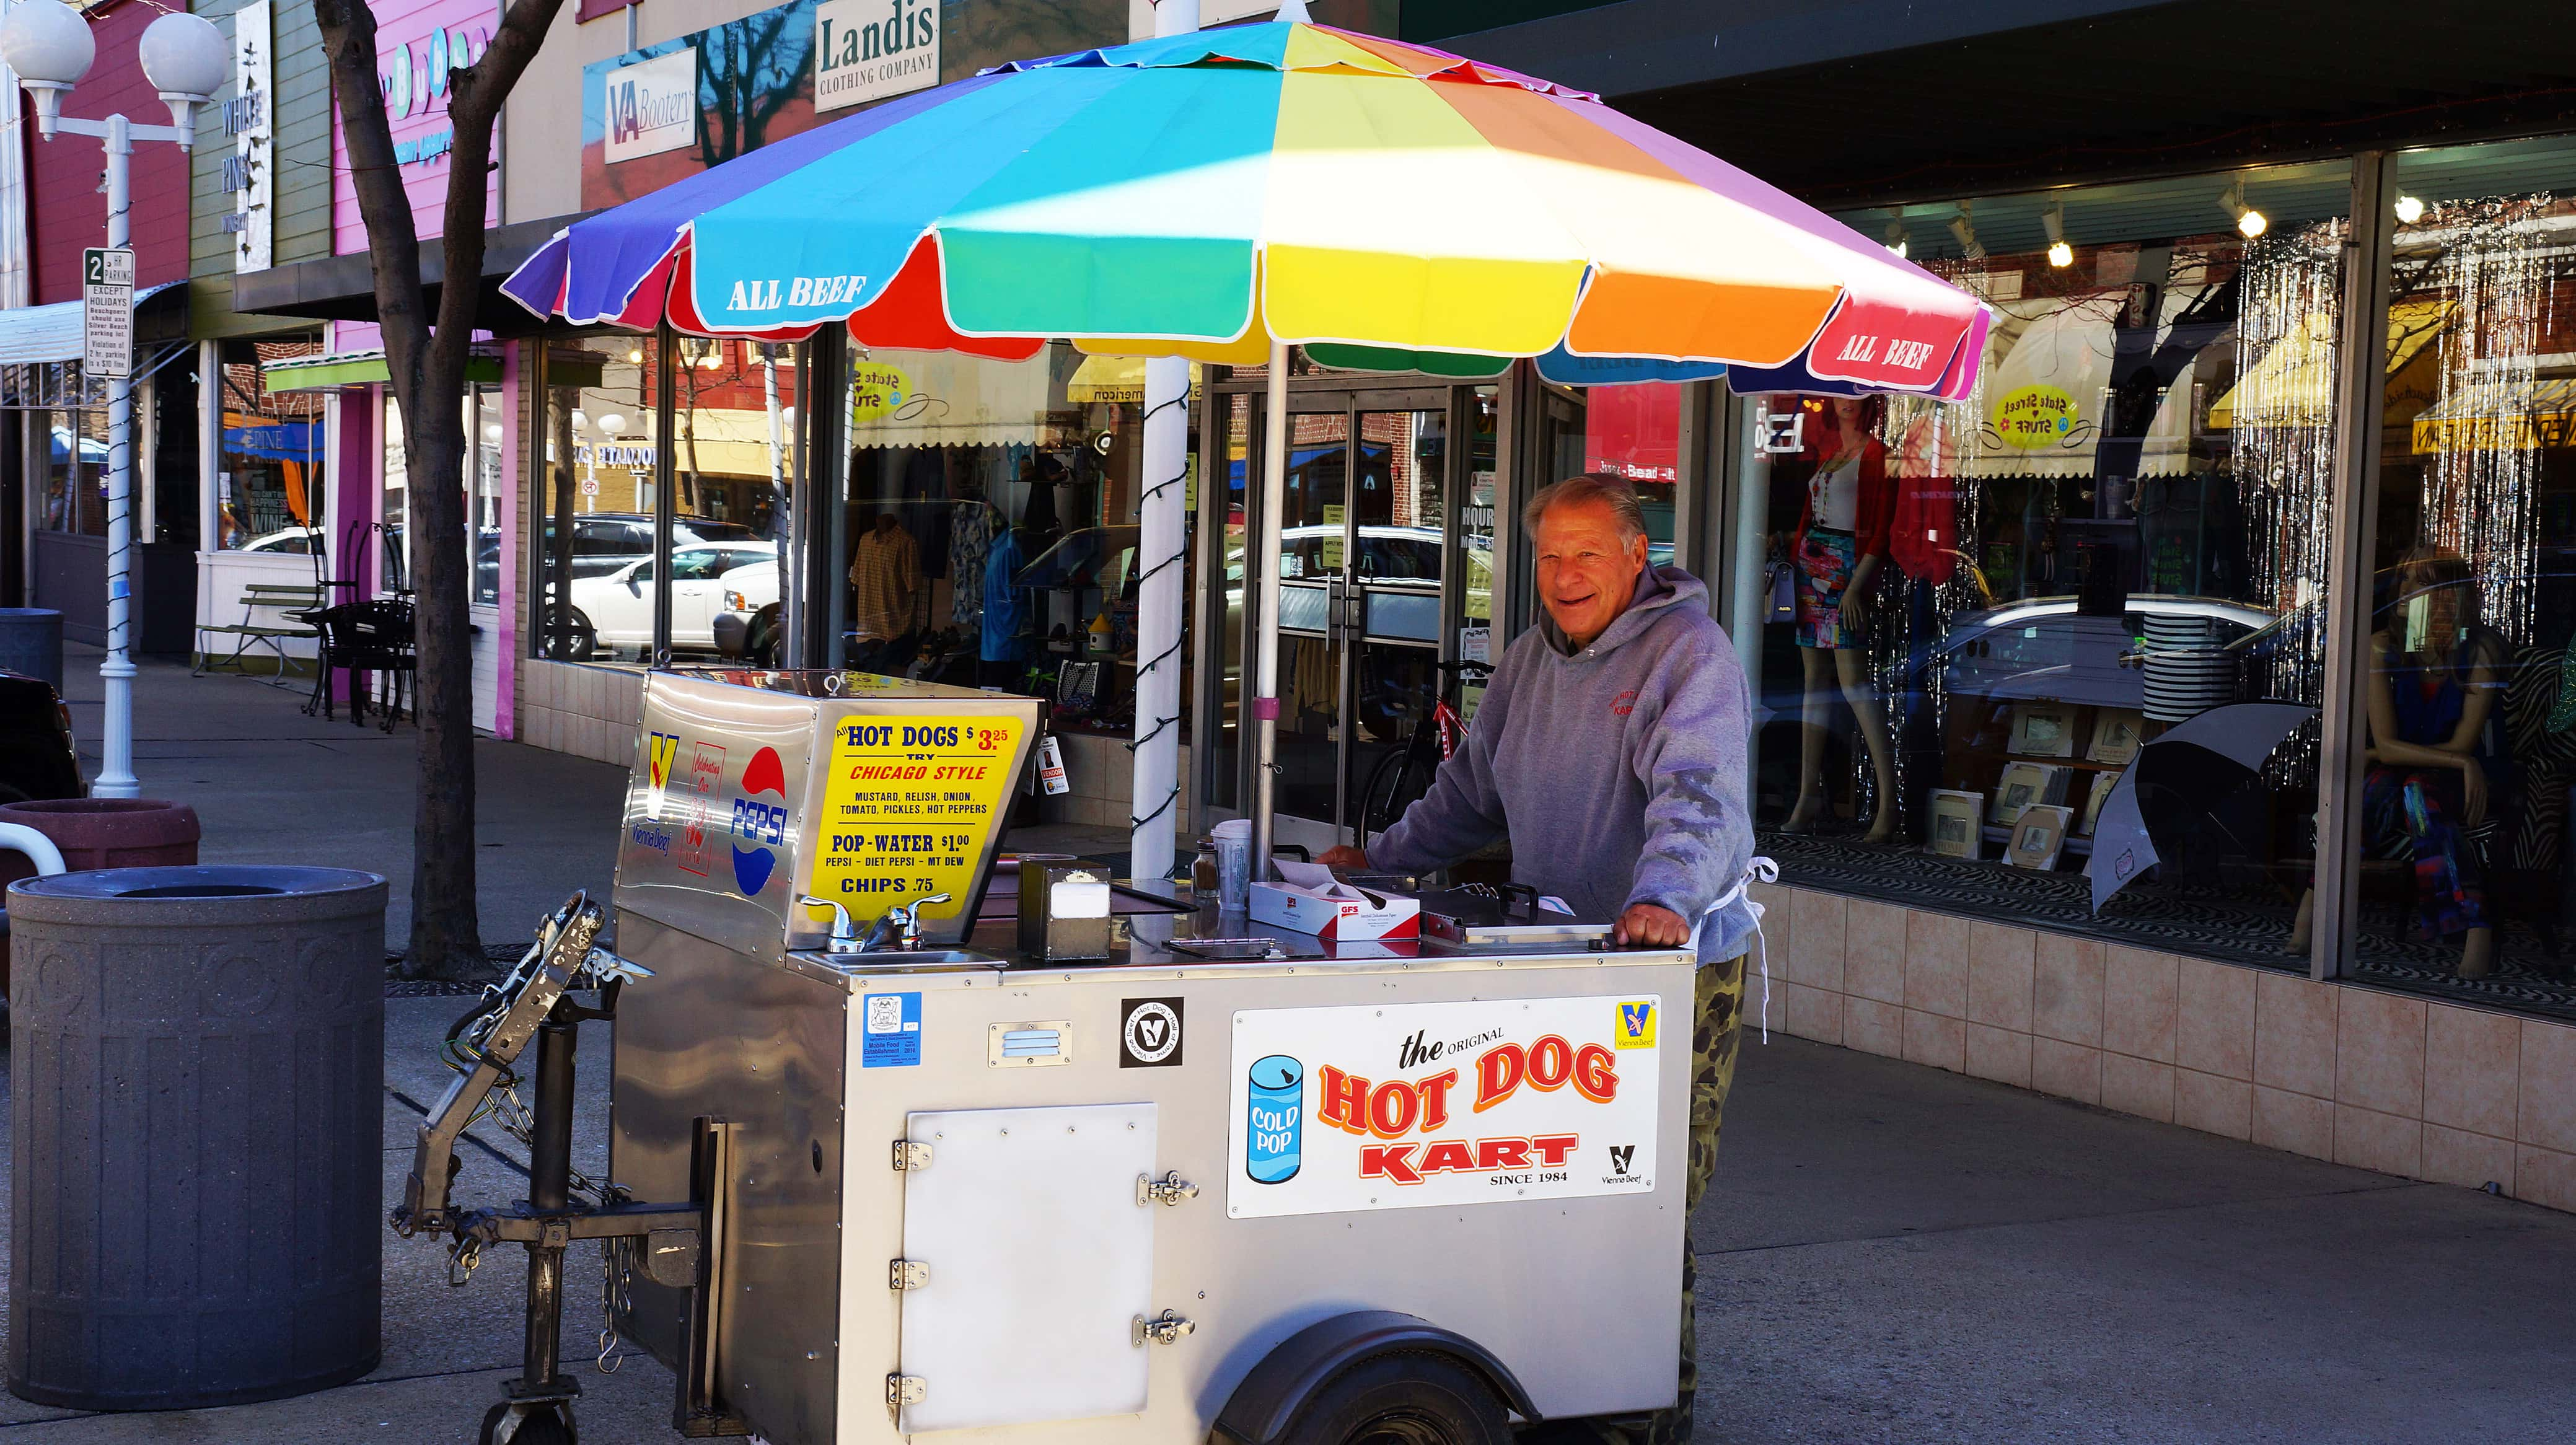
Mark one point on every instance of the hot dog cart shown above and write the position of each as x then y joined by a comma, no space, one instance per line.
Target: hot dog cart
922,1174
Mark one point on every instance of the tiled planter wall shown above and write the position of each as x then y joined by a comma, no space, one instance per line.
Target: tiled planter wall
2335,1071
590,712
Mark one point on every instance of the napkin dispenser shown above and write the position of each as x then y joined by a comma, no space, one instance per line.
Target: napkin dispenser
1064,912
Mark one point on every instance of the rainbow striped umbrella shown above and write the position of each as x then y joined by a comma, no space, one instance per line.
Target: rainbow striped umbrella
1211,195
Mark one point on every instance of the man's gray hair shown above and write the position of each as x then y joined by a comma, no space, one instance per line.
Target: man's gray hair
1608,488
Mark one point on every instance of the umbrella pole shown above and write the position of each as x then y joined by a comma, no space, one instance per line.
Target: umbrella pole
1262,556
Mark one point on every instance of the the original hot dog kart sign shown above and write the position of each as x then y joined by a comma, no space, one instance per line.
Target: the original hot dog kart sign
1440,1104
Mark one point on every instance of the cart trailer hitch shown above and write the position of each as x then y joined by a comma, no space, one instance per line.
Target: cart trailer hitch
676,1244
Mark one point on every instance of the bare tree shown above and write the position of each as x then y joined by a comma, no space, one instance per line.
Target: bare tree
426,355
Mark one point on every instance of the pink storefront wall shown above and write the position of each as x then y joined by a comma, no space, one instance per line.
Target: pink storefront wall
413,38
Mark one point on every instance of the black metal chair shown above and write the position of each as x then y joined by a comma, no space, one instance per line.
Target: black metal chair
382,640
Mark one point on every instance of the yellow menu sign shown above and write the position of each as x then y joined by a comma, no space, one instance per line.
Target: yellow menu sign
909,805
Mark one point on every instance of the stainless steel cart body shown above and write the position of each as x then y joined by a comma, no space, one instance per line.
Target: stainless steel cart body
1074,1204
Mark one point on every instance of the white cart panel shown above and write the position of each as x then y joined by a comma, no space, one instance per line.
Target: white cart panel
1040,1261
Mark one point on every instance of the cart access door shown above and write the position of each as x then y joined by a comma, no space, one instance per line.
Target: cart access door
1031,1262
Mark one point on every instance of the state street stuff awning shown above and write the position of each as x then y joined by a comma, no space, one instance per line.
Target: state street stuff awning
1115,379
728,441
2500,416
2293,382
946,399
356,368
2051,382
35,334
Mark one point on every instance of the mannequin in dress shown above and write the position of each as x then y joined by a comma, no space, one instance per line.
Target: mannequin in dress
1841,544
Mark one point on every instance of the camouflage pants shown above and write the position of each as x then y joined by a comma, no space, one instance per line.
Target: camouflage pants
1718,1007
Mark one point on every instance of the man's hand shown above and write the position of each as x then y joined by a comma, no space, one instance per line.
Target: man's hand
1345,856
1653,927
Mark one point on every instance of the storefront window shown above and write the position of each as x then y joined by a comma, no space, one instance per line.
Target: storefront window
593,508
483,475
75,472
2470,688
270,485
1980,619
989,525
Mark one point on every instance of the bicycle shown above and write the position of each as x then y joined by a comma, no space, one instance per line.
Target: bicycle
1404,775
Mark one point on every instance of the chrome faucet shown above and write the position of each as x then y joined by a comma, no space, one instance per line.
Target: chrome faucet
899,928
845,934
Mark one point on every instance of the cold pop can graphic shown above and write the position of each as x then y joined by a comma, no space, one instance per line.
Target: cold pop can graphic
1276,1110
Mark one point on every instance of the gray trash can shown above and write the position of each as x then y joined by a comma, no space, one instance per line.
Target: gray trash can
197,1096
31,642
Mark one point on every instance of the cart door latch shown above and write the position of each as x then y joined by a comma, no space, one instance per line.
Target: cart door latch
909,1155
906,1389
903,1274
1168,1191
1163,1330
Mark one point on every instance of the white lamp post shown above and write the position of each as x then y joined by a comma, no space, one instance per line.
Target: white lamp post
186,59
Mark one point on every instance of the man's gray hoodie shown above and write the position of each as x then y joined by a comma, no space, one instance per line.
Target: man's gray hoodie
1617,769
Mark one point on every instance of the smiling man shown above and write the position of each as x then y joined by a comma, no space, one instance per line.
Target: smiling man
1610,748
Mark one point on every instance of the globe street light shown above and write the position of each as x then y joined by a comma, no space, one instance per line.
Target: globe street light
186,59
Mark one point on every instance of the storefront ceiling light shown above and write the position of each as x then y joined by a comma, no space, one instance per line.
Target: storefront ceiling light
1896,231
2054,220
1964,231
2249,221
2410,209
635,356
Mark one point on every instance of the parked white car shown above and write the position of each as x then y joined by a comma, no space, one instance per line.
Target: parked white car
746,620
614,612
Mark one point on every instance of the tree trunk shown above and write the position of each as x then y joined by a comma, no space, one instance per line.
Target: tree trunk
446,933
425,359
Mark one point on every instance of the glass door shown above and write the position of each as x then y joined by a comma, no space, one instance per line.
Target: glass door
1313,561
1367,531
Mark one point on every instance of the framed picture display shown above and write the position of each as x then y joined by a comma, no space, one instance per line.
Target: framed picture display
2115,737
1957,818
2039,837
2023,784
2103,783
2043,730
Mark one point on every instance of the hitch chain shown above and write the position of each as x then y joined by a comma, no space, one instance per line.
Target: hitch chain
463,1259
616,1272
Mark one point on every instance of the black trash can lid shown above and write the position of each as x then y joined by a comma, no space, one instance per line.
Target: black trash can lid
177,895
219,880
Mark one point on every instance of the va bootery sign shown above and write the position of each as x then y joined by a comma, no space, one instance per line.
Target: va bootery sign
870,49
1442,1104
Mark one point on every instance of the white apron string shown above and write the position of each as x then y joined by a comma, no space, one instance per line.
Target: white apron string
1759,870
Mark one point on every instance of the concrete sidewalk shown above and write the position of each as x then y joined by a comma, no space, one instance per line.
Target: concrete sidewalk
1890,1253
271,785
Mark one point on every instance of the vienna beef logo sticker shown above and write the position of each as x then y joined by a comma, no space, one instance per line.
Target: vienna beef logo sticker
1395,1110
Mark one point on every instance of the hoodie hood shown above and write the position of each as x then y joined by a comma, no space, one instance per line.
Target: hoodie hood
1657,589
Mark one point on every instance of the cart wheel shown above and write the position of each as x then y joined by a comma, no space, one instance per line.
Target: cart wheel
1413,1398
541,1424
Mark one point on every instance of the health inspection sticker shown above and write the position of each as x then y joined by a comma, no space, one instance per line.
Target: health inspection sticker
890,1032
909,804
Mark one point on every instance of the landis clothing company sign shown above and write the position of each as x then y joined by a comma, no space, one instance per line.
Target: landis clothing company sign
870,49
666,111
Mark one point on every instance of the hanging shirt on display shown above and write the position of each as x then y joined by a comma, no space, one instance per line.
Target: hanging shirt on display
886,575
1002,606
970,542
